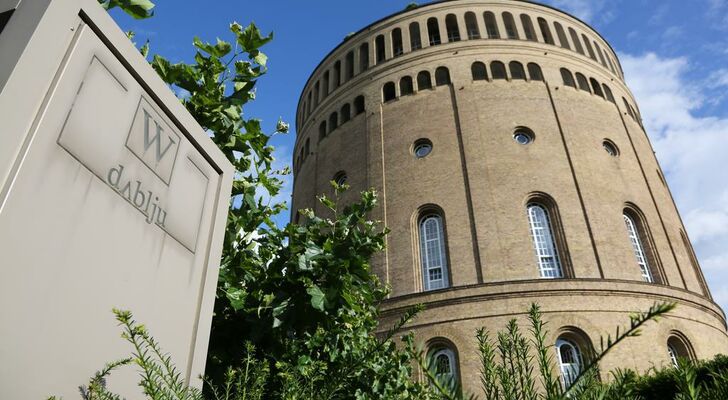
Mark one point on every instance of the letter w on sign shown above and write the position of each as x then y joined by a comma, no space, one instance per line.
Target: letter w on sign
153,139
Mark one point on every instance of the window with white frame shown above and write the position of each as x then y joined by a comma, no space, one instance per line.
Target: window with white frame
433,254
547,255
638,248
672,352
445,364
678,347
570,361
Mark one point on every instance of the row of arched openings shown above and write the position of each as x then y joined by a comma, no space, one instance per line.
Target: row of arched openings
407,84
515,71
548,240
573,350
356,61
578,43
336,119
591,85
479,72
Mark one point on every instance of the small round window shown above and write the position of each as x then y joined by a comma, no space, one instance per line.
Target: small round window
523,136
610,148
422,148
340,178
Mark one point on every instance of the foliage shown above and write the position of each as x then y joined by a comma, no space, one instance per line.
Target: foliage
411,6
314,308
139,9
508,363
703,379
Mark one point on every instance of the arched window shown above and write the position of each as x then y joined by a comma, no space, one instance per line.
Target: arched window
545,31
424,81
534,72
451,25
406,87
517,71
308,110
491,27
563,41
471,24
478,71
568,78
307,148
363,57
359,105
442,76
596,87
576,41
325,85
397,46
678,347
608,93
510,24
599,53
379,48
333,121
528,28
589,47
582,82
337,74
444,363
345,113
316,90
433,253
322,130
415,38
542,233
349,67
433,31
639,240
635,114
498,70
693,261
570,359
389,92
609,61
628,107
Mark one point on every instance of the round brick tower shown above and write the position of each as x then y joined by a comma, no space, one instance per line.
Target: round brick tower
512,168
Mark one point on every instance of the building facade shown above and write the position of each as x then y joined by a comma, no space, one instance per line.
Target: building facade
512,168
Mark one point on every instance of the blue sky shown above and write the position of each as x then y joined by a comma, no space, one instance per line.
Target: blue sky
674,53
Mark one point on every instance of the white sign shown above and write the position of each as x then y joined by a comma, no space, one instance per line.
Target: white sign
111,195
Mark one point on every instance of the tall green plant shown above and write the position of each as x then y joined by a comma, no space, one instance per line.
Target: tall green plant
508,363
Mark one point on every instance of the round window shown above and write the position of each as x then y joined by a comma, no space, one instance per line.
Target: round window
340,178
610,148
523,136
422,148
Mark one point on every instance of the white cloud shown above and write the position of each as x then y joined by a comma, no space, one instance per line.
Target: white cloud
719,77
582,9
692,150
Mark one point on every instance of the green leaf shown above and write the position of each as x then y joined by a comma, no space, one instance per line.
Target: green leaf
261,58
318,298
237,297
139,9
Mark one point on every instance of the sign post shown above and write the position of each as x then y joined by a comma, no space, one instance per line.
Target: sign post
111,195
